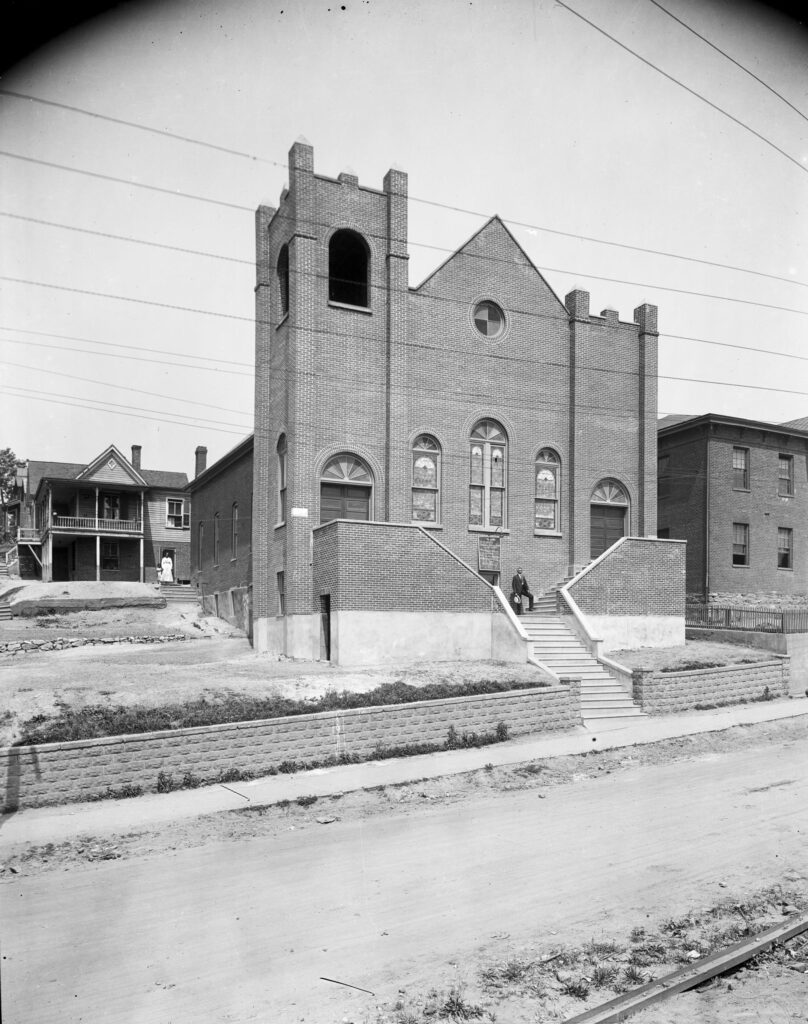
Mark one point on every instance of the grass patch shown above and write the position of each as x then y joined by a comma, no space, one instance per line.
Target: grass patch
96,720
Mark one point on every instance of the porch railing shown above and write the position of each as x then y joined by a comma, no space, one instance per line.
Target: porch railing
27,535
761,620
97,525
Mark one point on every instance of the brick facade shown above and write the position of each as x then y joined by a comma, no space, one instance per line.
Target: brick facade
638,577
222,570
662,693
54,773
701,498
334,377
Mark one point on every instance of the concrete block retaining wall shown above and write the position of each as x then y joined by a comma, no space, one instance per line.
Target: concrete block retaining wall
53,773
660,693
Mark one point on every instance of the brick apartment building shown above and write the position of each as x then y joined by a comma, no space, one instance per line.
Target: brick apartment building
737,491
108,519
414,445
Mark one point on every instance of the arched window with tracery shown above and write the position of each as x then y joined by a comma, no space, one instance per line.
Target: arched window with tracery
488,475
425,480
346,489
547,491
348,269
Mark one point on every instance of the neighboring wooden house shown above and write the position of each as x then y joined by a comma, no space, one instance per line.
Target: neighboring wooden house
108,519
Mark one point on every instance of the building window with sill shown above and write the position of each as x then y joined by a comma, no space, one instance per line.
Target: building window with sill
425,480
234,531
281,593
740,469
785,476
348,269
547,479
784,548
740,544
109,555
175,513
200,545
663,477
487,475
216,523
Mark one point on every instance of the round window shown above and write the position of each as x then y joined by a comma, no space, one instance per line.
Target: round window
489,319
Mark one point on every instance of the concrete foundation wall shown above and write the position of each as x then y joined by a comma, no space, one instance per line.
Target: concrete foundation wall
375,638
627,632
63,772
660,693
294,636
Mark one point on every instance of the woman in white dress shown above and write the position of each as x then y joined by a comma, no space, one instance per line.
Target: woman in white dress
167,566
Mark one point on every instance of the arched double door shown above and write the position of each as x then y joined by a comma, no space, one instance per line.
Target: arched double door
608,516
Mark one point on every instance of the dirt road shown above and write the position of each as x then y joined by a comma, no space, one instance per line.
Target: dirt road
244,931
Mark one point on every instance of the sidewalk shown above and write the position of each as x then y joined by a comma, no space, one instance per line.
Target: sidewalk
57,824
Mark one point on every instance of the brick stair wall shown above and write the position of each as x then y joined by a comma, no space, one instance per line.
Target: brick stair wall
54,773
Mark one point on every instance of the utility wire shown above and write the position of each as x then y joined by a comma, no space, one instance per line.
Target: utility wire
126,238
125,181
687,88
730,59
135,124
427,202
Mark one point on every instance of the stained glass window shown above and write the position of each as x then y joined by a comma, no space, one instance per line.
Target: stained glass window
425,479
488,319
487,475
545,515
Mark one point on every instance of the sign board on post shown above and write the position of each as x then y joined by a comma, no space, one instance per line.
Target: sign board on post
488,554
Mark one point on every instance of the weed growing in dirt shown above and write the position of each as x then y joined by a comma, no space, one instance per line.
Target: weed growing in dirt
578,988
306,801
121,793
603,975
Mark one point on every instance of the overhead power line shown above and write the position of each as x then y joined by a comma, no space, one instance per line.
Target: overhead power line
730,59
682,85
426,202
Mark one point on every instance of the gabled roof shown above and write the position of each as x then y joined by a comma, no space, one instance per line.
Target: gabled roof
111,456
242,449
801,424
165,479
497,223
38,471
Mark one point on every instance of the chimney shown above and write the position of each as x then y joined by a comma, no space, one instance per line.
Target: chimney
201,454
136,450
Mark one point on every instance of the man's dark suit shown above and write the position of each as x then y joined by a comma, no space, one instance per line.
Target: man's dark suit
520,587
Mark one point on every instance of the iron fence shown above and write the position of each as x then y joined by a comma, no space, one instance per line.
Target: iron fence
760,620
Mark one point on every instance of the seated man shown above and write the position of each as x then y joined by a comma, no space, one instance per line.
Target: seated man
520,590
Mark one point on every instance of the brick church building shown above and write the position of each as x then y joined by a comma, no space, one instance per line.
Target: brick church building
415,445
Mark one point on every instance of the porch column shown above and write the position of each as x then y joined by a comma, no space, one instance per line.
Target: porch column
142,576
96,508
98,558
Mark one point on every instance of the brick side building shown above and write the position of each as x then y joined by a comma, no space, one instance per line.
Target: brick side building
512,427
737,491
221,535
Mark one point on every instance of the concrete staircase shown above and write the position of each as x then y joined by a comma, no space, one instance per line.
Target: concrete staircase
554,643
5,611
180,592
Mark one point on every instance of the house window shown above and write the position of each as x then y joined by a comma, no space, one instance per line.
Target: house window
174,513
785,475
348,269
545,511
281,450
216,523
487,475
740,469
426,480
281,594
111,506
784,548
200,545
663,479
234,531
346,487
109,554
283,279
740,544
489,319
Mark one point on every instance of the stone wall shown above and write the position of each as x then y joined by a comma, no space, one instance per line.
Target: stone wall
660,693
61,643
53,773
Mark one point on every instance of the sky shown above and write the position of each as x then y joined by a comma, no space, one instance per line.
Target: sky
135,147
